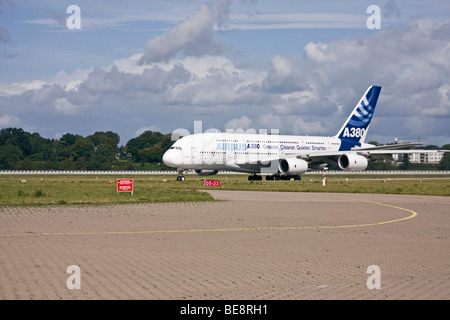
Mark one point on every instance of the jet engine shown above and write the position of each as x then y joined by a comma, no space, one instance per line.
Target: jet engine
352,162
292,166
205,172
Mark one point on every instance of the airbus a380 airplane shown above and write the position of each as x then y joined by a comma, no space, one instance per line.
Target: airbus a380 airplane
284,156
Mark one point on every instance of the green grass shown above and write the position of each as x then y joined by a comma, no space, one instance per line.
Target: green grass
61,190
91,189
419,185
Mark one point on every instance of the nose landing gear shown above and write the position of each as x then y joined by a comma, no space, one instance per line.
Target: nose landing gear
181,176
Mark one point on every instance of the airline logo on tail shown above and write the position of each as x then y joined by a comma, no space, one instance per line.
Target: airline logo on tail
355,128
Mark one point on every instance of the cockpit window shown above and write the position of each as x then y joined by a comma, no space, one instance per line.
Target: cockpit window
176,148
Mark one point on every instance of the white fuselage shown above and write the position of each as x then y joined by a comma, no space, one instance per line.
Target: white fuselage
237,152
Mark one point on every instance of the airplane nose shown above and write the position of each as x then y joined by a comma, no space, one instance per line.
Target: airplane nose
168,158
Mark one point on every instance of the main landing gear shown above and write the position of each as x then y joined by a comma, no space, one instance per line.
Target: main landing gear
254,177
284,177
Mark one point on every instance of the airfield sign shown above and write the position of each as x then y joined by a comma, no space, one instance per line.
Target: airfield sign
212,183
125,185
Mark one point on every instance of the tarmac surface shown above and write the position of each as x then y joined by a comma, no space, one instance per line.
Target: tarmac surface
251,245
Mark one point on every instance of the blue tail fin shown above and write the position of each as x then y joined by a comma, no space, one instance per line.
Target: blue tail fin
354,130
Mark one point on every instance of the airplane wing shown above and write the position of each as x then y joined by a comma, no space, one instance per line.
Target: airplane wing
319,158
389,146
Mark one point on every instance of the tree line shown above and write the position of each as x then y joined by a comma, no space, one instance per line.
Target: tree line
21,150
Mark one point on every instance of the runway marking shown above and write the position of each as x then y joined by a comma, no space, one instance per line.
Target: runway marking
413,214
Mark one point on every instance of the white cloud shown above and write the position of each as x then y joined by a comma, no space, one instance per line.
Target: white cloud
302,127
66,81
442,106
243,123
70,81
318,52
270,122
194,37
202,66
199,66
9,121
130,64
64,106
20,87
223,12
286,75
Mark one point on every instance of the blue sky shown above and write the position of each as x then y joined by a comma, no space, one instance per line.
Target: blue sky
296,66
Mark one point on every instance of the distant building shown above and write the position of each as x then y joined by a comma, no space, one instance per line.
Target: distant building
429,158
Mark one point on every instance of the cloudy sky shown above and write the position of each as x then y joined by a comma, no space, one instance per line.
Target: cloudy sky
296,66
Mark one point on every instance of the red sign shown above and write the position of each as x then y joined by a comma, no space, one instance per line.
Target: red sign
125,185
212,183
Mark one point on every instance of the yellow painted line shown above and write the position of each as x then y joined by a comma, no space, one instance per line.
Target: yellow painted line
413,214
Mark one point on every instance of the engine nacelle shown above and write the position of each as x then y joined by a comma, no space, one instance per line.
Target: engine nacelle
352,162
206,172
292,166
